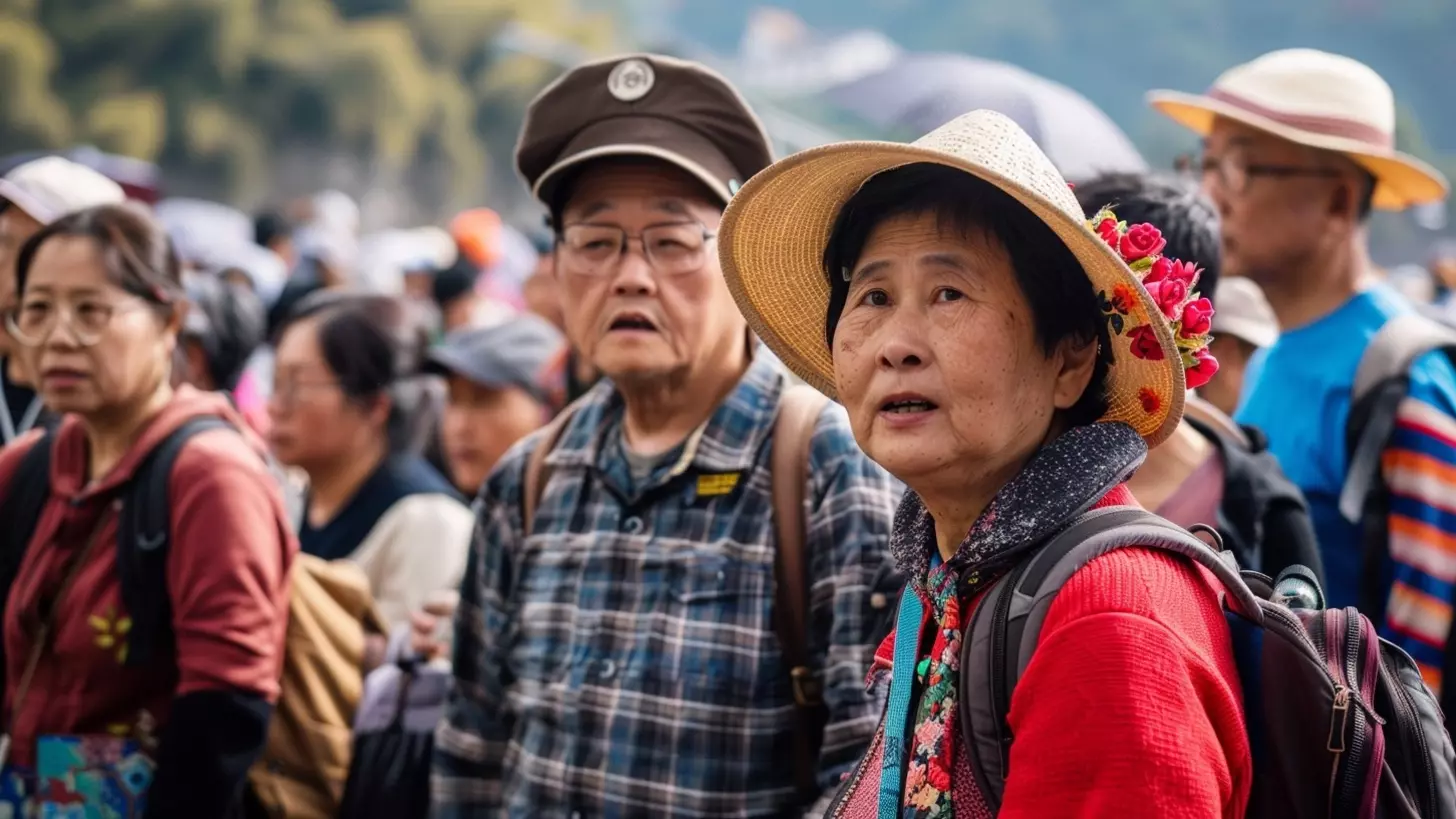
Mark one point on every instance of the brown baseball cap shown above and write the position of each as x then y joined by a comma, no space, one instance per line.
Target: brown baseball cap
643,105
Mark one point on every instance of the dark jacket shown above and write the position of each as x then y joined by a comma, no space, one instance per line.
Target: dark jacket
1263,517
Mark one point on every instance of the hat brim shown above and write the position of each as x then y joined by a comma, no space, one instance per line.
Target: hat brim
1402,181
651,137
771,246
1254,332
20,198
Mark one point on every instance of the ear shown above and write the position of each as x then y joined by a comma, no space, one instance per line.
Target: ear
173,324
1074,361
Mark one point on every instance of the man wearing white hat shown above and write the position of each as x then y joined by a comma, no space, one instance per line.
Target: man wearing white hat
1299,146
31,196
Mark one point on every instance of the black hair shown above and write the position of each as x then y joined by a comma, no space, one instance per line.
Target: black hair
1174,205
136,253
269,226
374,346
453,282
1063,304
228,322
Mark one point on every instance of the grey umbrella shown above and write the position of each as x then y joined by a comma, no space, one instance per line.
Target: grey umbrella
920,92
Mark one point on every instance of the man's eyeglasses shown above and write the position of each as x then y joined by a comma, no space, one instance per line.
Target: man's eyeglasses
595,250
1234,171
35,319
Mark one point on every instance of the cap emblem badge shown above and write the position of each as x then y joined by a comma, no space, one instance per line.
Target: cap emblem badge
630,80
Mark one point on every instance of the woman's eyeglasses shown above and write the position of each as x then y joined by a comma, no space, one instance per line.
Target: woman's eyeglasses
35,319
595,250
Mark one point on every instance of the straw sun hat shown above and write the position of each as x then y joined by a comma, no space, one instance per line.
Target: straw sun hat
1317,99
772,239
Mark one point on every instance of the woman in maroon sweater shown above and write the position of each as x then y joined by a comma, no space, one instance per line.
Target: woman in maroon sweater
100,310
1011,367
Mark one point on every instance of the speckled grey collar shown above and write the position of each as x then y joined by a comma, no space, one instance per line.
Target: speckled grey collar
1064,479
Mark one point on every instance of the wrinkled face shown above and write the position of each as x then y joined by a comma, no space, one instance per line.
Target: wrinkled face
312,421
480,424
937,361
15,227
1275,201
634,320
99,350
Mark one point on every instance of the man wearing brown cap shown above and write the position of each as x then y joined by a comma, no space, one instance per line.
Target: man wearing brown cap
668,607
1299,146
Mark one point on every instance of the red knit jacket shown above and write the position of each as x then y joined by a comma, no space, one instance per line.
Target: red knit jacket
1130,707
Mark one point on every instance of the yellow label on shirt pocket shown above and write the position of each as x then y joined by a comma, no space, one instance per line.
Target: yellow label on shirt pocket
719,484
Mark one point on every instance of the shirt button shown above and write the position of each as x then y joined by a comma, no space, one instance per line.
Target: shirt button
609,670
633,525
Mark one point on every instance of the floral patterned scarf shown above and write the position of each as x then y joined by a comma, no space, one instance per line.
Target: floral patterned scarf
1064,479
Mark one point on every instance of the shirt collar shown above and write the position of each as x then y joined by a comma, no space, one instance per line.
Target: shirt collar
729,441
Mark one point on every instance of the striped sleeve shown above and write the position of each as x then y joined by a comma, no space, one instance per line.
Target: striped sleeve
1420,471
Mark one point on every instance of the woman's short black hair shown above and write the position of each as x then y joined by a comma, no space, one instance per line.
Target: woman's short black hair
374,347
135,251
1063,304
1172,204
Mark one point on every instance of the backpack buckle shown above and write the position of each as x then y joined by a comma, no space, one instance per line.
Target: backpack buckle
808,691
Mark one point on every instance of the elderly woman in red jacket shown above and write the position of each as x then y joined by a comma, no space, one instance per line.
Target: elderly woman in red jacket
1012,368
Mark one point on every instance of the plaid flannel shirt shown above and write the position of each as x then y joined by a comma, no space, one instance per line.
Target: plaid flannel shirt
620,661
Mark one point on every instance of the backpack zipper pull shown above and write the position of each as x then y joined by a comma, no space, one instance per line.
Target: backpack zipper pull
1339,715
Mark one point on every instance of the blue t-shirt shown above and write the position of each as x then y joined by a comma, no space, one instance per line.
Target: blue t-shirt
1298,393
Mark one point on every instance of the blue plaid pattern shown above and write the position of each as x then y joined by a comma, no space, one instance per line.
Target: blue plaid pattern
620,660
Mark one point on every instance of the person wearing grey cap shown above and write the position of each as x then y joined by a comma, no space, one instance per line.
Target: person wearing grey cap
635,634
32,196
500,390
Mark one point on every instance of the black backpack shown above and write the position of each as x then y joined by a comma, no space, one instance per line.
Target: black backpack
1263,517
1340,723
141,541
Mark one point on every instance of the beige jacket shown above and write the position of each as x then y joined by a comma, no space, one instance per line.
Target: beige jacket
417,548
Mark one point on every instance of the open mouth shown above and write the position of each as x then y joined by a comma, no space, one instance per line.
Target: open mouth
907,405
632,321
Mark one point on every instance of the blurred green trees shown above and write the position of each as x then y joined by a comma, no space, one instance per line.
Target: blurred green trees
218,91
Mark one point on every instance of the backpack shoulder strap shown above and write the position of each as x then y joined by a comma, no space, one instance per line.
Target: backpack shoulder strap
793,435
21,506
537,474
1381,382
1396,347
142,540
24,498
1006,627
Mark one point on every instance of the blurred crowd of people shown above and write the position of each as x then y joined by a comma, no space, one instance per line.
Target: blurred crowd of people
692,505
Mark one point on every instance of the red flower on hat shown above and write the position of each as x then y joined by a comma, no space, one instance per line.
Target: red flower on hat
1145,343
1203,369
1169,295
1107,229
1197,319
1150,400
1140,242
1170,287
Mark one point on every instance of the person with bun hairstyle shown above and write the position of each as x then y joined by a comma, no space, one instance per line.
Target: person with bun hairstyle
100,310
345,391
